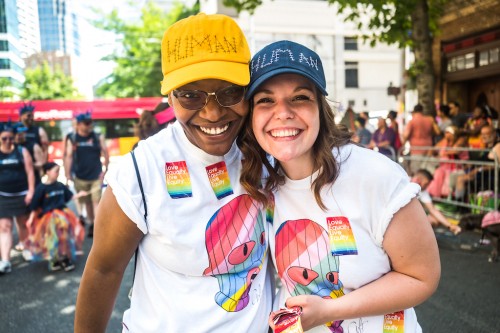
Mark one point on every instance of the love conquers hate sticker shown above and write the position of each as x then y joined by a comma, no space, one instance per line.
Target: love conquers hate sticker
219,179
342,240
178,180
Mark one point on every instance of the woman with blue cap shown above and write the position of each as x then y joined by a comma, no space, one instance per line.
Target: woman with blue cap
349,238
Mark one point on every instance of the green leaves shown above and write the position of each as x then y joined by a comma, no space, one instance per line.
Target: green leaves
43,83
138,53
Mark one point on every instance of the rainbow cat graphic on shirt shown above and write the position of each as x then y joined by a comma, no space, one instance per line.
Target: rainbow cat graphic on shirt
305,264
236,245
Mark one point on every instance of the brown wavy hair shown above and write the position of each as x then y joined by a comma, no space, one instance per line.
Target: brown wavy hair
330,136
147,125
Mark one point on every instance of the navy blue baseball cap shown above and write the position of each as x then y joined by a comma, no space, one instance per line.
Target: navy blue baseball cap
26,107
285,57
86,116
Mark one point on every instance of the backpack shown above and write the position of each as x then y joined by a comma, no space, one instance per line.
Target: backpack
72,139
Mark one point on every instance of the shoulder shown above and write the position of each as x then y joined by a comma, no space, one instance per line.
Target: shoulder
363,164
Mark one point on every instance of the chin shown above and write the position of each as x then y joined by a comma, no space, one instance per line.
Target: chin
217,151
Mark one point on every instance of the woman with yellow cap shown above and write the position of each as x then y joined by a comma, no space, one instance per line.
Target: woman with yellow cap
201,239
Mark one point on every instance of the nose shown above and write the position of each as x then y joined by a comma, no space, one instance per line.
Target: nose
213,111
283,110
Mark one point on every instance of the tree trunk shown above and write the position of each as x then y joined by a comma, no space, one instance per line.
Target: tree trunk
422,40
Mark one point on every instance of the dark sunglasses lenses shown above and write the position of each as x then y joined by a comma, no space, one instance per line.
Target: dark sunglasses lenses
87,122
8,138
197,99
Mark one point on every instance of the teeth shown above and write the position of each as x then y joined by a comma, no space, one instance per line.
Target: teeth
284,133
214,130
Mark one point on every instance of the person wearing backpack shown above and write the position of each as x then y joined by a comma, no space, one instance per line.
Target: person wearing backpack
83,164
17,185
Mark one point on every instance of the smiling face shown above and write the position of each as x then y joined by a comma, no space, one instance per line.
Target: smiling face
286,123
214,127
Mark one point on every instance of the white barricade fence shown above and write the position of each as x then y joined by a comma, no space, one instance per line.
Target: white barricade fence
461,180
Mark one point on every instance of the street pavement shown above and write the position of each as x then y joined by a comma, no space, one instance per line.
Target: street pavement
467,300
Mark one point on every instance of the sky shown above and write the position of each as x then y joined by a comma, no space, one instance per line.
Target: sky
96,43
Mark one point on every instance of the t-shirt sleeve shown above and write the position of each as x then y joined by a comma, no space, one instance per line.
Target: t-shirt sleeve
67,193
122,179
399,192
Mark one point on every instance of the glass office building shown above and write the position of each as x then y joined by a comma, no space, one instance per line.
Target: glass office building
11,63
59,26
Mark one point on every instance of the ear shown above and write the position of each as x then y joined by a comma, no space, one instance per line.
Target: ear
170,98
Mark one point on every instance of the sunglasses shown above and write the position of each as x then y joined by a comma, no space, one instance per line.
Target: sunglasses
87,122
7,138
197,99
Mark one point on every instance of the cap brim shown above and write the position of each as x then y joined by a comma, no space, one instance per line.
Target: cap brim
251,89
237,73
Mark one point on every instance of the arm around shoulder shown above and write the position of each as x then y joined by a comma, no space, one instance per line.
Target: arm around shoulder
115,239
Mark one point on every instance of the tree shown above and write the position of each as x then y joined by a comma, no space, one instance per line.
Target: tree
42,83
404,22
138,62
5,88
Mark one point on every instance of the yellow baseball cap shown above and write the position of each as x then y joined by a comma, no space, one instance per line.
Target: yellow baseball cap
204,47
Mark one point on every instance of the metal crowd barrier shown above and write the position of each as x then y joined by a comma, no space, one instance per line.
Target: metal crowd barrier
476,198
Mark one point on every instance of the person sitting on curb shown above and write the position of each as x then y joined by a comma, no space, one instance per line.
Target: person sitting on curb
423,178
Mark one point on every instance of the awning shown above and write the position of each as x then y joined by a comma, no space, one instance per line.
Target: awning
119,108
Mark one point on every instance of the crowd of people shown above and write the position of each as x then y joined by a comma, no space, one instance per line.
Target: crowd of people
243,176
450,138
32,197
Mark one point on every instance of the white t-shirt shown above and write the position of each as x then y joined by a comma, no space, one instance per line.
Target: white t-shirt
331,253
202,265
425,197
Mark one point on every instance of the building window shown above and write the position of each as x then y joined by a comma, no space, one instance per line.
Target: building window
351,75
473,60
351,43
488,57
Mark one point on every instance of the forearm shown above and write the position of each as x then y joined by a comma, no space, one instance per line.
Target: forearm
392,292
96,298
68,161
439,217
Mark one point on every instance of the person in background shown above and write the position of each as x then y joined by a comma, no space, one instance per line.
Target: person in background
84,150
55,232
34,149
366,117
17,185
473,127
383,139
458,117
202,260
444,121
34,133
419,132
480,178
449,150
78,206
352,248
151,122
423,178
392,116
348,119
363,136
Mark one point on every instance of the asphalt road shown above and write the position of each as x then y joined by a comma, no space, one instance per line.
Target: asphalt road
34,300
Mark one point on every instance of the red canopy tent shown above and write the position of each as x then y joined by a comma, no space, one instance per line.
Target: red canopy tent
119,108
